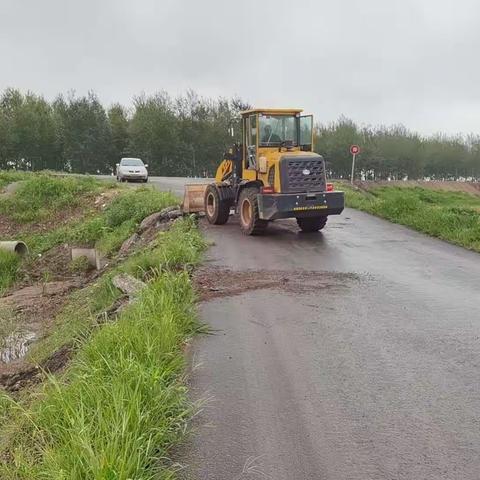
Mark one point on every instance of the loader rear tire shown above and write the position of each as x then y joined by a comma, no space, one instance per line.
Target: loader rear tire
250,221
311,224
217,211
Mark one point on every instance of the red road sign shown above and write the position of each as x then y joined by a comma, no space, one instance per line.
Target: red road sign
354,149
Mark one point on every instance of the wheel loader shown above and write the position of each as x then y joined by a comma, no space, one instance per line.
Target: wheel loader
273,173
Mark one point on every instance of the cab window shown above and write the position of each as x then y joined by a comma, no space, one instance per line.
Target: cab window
251,160
306,127
277,129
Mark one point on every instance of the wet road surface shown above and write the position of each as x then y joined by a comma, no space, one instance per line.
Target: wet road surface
374,374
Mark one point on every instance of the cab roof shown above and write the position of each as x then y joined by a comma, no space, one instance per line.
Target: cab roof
272,111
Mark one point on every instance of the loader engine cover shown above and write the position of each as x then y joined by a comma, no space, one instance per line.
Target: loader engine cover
302,173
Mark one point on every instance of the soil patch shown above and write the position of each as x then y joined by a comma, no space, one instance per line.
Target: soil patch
51,266
24,298
10,189
13,382
214,282
32,311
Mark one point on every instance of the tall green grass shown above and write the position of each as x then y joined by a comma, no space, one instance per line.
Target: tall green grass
10,176
136,204
451,216
9,264
174,250
122,404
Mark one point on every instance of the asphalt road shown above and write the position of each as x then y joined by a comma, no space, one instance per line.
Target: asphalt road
172,184
361,362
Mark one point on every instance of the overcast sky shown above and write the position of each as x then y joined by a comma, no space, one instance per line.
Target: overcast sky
414,62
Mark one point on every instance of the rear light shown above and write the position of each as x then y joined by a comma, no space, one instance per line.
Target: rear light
330,187
268,189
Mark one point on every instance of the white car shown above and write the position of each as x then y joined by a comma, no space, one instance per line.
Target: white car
132,169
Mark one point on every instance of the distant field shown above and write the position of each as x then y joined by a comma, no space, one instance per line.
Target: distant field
448,186
441,209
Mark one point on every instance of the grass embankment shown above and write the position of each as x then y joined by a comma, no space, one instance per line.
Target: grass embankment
49,199
451,216
109,229
122,403
39,196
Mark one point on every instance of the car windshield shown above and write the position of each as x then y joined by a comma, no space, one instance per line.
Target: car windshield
131,162
275,129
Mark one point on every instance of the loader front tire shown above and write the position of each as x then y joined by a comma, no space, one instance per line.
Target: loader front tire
250,221
217,211
311,224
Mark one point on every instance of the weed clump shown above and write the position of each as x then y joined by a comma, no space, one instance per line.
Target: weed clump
9,265
137,204
80,265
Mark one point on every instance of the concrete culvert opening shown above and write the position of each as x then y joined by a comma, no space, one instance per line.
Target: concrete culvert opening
90,254
20,248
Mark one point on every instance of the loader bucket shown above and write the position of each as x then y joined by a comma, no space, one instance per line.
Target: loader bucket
193,200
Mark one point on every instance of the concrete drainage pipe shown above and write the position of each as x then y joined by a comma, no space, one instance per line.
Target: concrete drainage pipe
20,248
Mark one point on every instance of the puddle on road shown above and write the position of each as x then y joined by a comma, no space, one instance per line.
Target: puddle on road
15,346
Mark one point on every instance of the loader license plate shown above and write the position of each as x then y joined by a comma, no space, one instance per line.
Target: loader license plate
312,207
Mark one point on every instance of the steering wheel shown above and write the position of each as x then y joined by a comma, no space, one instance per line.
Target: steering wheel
288,144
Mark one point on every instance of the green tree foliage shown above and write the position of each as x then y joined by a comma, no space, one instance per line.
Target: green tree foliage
154,132
182,136
187,135
84,133
118,120
27,131
397,153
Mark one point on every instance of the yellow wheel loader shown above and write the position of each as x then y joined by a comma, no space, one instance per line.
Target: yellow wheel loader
273,173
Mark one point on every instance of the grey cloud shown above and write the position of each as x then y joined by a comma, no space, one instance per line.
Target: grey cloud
376,61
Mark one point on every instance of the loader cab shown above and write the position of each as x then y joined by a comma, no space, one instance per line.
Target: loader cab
269,132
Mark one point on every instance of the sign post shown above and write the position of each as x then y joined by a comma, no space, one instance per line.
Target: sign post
354,150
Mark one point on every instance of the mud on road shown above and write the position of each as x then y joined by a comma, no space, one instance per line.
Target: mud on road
216,282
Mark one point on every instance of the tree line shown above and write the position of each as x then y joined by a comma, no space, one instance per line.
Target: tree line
187,135
184,136
397,153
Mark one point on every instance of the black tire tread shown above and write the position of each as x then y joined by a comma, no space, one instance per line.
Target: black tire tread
311,224
222,212
258,225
